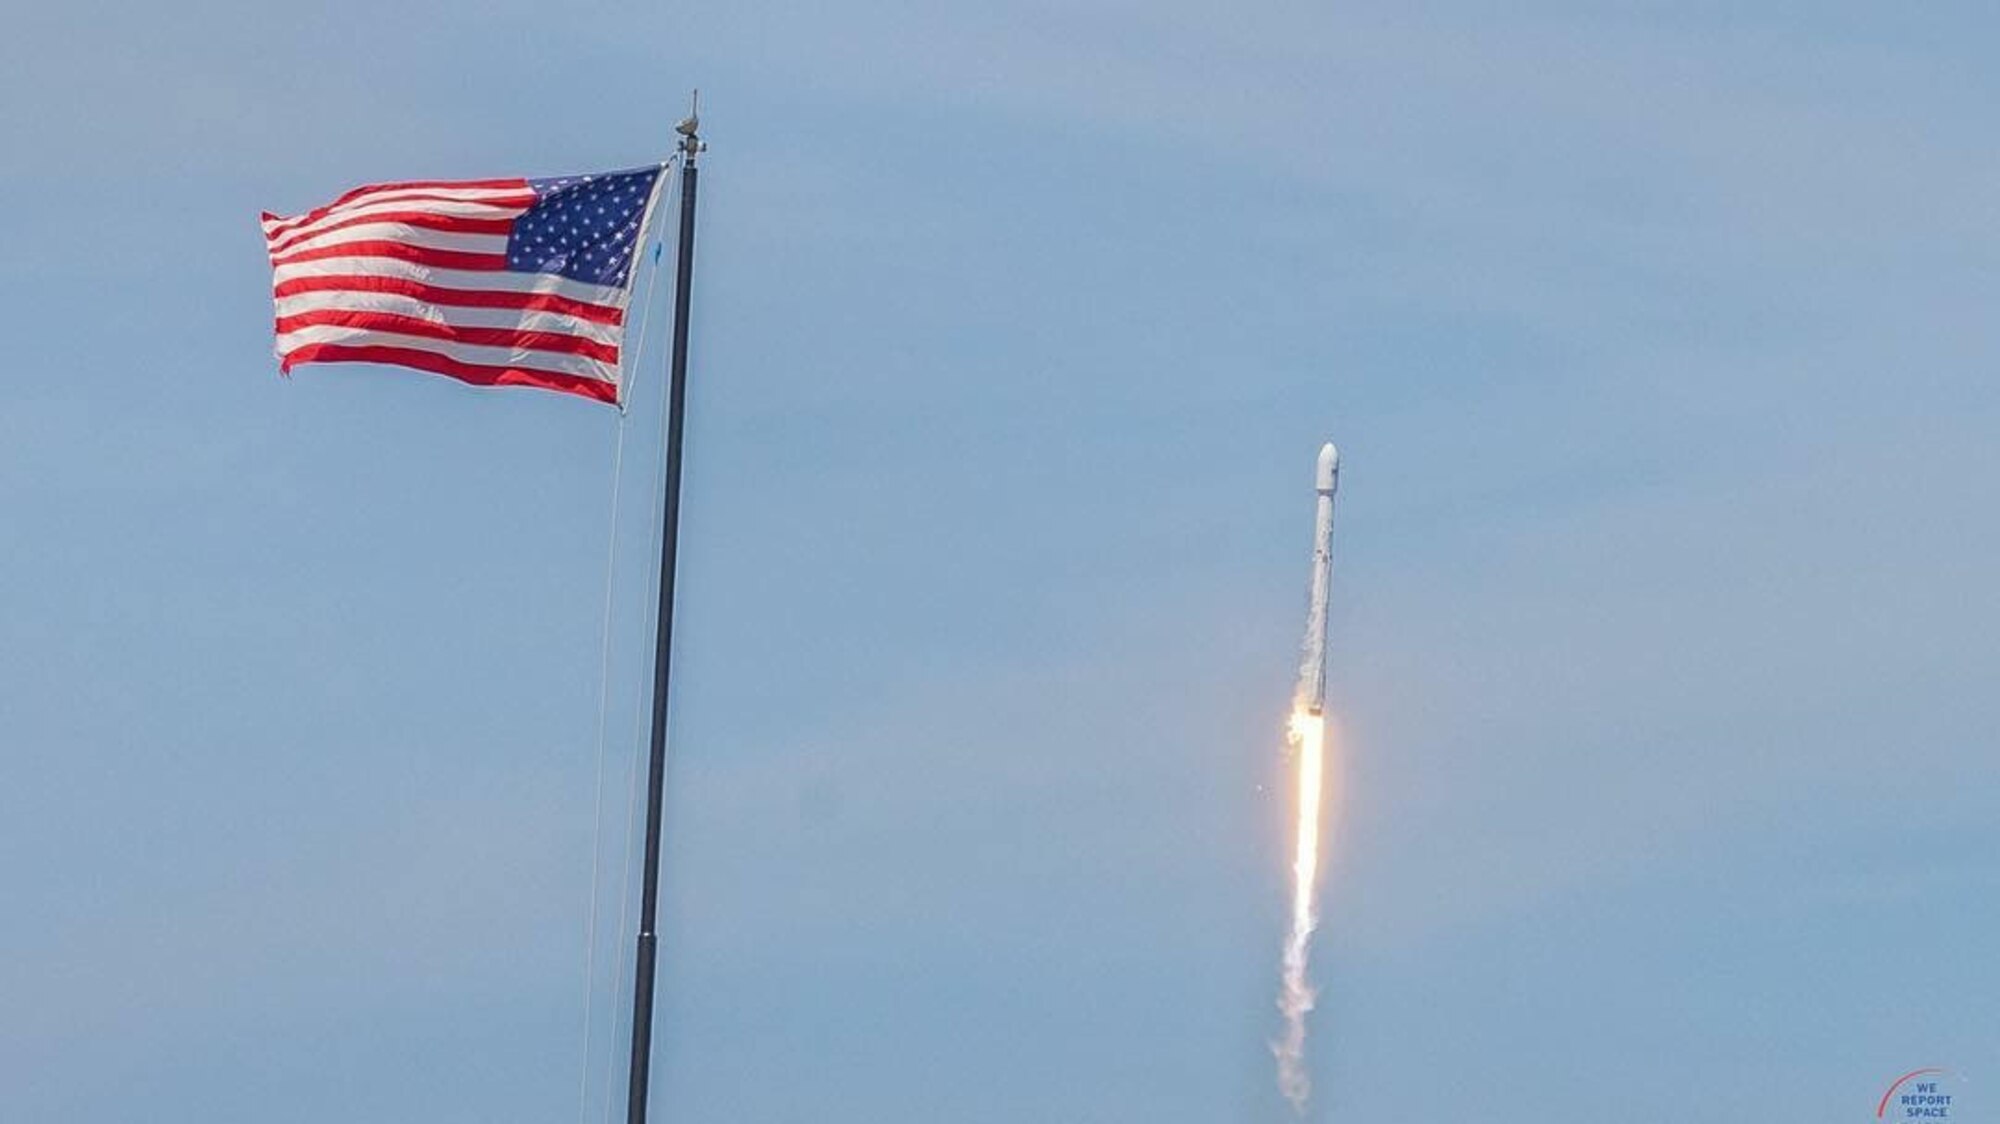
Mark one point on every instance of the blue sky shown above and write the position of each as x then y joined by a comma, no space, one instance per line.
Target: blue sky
1659,343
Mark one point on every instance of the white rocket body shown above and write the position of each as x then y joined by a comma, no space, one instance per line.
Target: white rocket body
1312,669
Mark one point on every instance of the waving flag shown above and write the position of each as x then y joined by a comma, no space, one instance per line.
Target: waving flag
514,282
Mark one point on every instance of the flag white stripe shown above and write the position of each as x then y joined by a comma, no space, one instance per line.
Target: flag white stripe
526,358
404,233
399,305
497,280
285,239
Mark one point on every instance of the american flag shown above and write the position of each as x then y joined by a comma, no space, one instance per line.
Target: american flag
508,282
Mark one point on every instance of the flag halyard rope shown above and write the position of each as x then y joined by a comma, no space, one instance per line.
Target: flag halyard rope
633,367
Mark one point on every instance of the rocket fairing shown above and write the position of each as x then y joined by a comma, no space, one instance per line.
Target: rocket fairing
1312,668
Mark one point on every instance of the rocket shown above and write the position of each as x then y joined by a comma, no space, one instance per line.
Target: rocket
1312,668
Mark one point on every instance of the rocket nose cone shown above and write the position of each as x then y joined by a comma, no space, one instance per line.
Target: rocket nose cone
1327,474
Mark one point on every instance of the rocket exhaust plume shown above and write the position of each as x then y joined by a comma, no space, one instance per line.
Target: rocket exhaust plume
1306,733
1296,995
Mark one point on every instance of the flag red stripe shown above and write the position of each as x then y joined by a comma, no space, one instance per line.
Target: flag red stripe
423,220
402,251
479,374
416,185
431,329
522,198
439,294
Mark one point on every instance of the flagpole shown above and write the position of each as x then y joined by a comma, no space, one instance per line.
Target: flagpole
691,147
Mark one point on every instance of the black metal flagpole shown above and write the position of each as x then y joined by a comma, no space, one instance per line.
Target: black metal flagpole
663,650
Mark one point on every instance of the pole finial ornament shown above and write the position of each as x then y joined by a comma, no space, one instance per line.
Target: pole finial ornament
691,145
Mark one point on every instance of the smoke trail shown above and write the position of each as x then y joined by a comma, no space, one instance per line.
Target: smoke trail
1307,734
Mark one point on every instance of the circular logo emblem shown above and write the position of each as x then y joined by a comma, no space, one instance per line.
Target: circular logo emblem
1931,1093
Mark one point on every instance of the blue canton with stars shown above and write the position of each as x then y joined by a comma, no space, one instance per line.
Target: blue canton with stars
582,227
